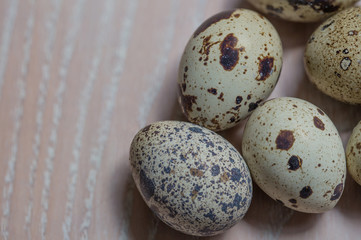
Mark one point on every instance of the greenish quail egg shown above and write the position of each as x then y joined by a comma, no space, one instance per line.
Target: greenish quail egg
295,154
353,154
231,63
333,56
302,10
193,179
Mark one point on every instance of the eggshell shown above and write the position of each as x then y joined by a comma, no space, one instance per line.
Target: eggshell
193,179
231,63
301,10
353,153
295,154
333,56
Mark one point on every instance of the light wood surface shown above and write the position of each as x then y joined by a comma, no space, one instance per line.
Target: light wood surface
78,79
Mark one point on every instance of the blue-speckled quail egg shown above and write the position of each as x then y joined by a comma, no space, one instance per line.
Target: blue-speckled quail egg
295,154
231,63
301,10
333,56
353,154
193,179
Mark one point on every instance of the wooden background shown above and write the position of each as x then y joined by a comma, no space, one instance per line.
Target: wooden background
78,79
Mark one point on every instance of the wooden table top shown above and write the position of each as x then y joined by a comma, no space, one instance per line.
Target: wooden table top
79,78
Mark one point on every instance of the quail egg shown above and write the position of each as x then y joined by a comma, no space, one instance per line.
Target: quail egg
333,56
231,63
301,10
353,153
193,179
295,154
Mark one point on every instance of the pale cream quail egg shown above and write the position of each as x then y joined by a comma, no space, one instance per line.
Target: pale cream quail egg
231,64
295,154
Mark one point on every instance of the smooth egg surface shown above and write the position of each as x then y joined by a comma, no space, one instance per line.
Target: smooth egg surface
231,63
295,154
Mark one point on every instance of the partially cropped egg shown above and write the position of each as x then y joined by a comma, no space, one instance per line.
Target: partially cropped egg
231,64
353,153
193,179
295,154
333,56
301,10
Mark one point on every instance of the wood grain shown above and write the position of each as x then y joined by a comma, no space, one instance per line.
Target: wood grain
79,78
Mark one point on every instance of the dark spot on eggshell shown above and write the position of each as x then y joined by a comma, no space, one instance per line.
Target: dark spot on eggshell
294,163
326,6
239,99
215,170
146,129
327,25
337,192
358,145
292,200
196,130
229,53
265,66
206,47
221,96
285,140
252,106
196,172
274,9
236,174
345,51
320,111
238,202
212,91
306,192
146,185
337,74
212,20
187,102
195,191
224,177
318,123
210,215
232,119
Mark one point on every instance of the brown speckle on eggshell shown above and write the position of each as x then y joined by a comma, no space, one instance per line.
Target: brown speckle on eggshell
333,57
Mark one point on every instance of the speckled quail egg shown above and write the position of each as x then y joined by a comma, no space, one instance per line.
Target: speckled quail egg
231,63
295,154
302,10
333,56
193,179
353,154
